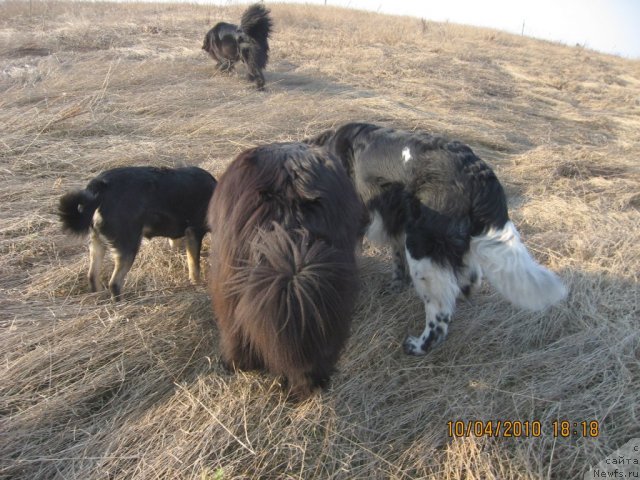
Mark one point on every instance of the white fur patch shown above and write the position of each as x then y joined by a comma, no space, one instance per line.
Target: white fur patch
513,272
406,154
176,243
437,286
96,223
376,232
97,218
96,256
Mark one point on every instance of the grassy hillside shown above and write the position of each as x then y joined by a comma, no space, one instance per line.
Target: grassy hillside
93,389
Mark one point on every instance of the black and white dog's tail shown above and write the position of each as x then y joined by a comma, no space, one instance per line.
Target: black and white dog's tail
76,210
256,24
510,268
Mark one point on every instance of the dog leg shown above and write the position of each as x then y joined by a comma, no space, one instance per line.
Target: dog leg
303,385
123,263
254,71
436,285
225,66
236,353
259,79
376,233
96,255
193,240
255,75
400,273
470,277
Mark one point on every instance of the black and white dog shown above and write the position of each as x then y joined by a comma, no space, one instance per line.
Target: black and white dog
444,212
228,43
122,205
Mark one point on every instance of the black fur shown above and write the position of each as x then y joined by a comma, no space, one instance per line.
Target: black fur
431,195
441,204
228,43
76,211
284,224
122,205
445,190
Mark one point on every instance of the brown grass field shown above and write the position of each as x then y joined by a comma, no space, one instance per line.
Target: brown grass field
94,389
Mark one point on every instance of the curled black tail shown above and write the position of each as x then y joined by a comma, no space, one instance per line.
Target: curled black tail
256,24
76,211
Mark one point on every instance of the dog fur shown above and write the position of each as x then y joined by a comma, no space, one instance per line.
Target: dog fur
120,206
228,43
285,220
444,212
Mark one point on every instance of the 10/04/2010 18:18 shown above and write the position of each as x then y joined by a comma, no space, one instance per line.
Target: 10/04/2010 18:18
521,428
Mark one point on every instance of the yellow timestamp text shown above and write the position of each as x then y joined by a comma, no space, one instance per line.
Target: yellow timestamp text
522,428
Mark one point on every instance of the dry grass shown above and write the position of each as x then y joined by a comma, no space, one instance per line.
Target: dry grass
93,389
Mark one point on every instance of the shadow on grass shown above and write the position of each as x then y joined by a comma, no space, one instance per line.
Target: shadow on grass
286,81
101,387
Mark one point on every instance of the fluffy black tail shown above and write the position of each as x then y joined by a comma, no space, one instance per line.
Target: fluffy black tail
76,211
256,24
297,303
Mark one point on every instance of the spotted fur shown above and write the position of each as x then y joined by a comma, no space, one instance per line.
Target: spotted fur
450,210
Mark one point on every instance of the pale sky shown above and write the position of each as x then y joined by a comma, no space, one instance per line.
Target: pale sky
611,26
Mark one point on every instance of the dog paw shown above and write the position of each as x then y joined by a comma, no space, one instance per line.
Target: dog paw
412,346
226,366
419,346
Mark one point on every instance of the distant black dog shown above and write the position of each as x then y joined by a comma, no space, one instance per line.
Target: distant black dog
284,221
444,212
122,205
227,43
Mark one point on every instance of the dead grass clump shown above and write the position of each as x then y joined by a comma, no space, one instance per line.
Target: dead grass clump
93,389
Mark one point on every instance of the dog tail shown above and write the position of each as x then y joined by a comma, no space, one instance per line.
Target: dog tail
513,272
76,210
300,292
257,24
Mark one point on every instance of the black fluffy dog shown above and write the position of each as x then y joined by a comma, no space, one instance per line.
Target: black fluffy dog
227,43
122,205
444,212
285,221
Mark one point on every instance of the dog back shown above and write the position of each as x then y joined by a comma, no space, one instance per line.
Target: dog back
164,201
